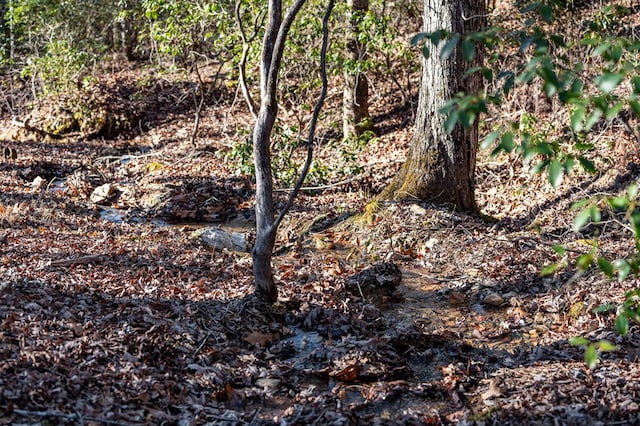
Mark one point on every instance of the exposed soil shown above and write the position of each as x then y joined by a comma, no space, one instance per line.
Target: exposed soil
113,312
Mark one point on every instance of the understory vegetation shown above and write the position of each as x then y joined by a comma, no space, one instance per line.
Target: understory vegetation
126,137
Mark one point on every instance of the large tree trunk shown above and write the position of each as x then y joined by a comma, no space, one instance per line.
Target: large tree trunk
355,118
440,166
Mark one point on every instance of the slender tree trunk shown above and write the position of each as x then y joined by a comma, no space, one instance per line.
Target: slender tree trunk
265,232
266,224
440,166
355,103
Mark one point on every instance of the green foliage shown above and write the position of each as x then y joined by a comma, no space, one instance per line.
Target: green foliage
590,93
187,30
284,166
240,157
592,349
61,69
54,43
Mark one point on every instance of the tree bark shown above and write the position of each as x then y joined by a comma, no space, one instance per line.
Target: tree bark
440,166
355,118
265,232
266,224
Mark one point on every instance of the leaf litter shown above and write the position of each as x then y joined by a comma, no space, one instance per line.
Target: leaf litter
112,312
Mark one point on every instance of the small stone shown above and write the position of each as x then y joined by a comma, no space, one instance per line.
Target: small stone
417,209
102,193
38,183
268,382
493,299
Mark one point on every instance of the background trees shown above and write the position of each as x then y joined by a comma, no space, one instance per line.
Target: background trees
175,309
440,166
54,50
356,117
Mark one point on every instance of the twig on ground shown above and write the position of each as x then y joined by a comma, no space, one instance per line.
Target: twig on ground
82,260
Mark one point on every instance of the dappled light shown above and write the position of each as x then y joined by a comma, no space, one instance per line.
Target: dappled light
128,216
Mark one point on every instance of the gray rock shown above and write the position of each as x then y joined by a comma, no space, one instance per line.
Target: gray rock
220,239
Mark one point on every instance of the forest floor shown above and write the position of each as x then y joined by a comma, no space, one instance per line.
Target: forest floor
113,310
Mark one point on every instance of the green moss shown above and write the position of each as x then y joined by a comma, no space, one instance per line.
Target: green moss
484,415
371,209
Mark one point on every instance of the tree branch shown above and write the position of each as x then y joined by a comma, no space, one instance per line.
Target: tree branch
242,66
314,117
278,50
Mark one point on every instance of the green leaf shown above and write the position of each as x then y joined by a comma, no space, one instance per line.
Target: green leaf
581,220
604,308
583,145
506,141
580,204
630,313
509,80
489,140
592,119
605,266
468,48
577,118
549,75
549,89
591,356
622,325
584,261
606,346
450,46
623,268
538,168
632,191
551,269
559,249
635,222
418,38
601,48
578,341
451,121
569,163
608,82
425,51
616,53
635,106
587,165
635,83
546,13
436,36
613,111
619,203
466,118
556,172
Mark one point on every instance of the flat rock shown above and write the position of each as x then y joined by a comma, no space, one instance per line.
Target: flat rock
220,239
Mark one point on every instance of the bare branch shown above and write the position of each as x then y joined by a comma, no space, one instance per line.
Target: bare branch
314,117
278,50
198,103
246,45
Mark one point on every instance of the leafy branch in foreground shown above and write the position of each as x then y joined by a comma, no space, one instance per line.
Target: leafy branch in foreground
587,94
